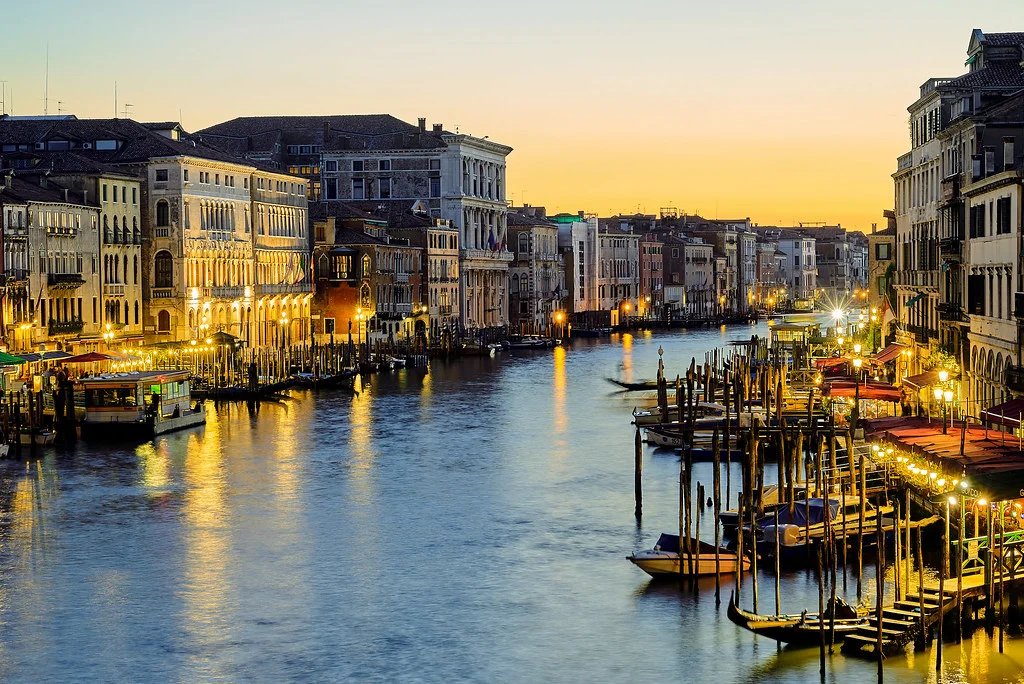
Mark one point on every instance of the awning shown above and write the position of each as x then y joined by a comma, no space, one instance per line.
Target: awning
830,361
882,391
922,380
889,353
1008,413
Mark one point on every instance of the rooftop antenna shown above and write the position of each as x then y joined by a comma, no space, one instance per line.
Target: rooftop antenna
60,104
46,83
115,99
3,97
127,106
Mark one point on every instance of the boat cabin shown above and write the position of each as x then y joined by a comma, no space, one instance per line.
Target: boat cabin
160,399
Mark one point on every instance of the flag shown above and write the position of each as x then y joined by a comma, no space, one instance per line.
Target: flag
490,241
915,299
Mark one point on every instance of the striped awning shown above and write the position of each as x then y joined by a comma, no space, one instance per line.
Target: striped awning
922,380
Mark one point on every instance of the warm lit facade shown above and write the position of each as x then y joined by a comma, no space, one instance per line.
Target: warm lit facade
534,282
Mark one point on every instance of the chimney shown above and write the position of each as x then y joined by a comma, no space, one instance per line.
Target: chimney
423,124
438,128
65,195
327,130
874,227
85,197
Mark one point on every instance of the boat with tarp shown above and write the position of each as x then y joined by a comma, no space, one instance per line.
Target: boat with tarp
664,559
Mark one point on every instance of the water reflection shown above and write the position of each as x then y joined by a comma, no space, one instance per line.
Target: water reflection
469,524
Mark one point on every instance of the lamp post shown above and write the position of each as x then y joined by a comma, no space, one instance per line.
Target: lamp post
559,318
108,336
857,363
626,306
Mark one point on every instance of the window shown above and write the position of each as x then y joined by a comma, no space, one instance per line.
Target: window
435,187
882,251
357,188
163,321
385,164
104,192
163,214
332,166
524,242
384,188
115,194
161,175
216,179
978,221
164,269
357,166
435,164
366,265
184,175
1002,215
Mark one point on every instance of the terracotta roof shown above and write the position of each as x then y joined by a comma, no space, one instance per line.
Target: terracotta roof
29,190
993,75
343,132
514,218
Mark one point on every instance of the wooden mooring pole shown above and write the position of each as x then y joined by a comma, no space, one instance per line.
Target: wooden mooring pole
879,588
638,468
717,493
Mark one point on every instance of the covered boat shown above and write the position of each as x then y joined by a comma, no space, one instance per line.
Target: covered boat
663,559
805,524
145,403
803,629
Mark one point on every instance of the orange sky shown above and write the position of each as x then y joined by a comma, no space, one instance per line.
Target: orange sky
783,112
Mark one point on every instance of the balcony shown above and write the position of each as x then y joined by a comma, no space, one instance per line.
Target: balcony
401,277
16,275
65,281
64,327
162,293
951,312
918,278
486,254
922,334
951,188
113,290
224,292
950,247
1014,378
162,232
285,288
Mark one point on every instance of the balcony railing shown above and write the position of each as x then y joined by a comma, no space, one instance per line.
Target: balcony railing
224,292
951,312
162,293
951,188
162,232
64,327
113,290
917,278
950,246
284,288
65,280
1015,378
15,275
922,333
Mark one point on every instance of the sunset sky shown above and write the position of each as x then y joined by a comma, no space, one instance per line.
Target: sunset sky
782,111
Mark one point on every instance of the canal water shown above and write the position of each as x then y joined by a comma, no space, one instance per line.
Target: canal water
466,524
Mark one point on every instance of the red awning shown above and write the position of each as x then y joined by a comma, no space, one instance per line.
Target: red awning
830,361
882,391
922,380
1008,413
90,357
889,353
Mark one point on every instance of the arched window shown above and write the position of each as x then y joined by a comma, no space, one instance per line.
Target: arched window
164,269
135,270
163,213
136,312
366,265
163,321
515,283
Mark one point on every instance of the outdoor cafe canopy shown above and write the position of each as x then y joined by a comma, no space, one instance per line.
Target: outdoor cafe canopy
847,387
89,357
888,354
1008,413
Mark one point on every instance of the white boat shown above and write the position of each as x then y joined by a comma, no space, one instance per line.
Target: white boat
663,559
146,402
394,362
672,436
806,525
530,342
653,416
42,437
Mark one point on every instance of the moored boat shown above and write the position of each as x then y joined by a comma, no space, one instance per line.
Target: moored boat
142,402
803,629
663,559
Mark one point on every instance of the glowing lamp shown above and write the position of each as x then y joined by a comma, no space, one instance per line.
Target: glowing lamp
948,395
938,394
952,501
856,348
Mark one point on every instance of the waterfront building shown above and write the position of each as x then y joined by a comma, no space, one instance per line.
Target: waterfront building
54,254
882,265
367,278
922,196
652,277
799,269
198,252
770,290
726,243
535,287
690,277
618,281
459,177
578,246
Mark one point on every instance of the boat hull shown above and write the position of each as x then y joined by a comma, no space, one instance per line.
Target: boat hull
797,630
666,564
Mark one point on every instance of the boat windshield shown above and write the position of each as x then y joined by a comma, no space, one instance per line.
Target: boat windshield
112,396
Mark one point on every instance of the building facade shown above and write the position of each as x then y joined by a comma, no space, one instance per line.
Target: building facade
535,287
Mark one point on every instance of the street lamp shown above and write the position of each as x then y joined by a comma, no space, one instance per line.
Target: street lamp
108,336
856,350
559,317
857,363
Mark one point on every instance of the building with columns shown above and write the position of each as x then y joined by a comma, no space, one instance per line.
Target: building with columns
197,207
457,177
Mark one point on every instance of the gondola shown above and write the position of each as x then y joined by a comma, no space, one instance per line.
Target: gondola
799,630
635,386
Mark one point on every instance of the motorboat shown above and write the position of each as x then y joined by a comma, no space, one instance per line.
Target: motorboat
148,402
702,409
663,559
530,342
805,524
673,436
803,629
